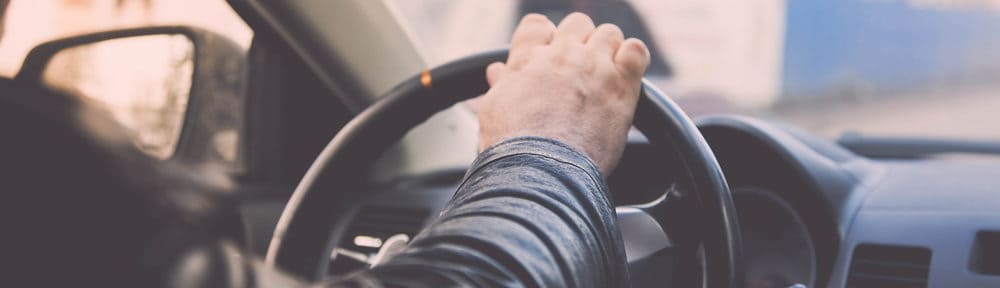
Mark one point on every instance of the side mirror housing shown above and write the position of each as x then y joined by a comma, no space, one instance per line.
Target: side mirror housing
178,89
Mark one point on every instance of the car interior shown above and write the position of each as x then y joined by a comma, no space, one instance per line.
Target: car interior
343,141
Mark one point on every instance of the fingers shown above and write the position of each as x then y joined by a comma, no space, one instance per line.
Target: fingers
606,39
494,72
632,58
575,28
533,31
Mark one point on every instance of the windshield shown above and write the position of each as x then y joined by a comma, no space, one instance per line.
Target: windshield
887,68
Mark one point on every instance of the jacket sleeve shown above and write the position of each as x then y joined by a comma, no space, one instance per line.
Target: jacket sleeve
531,212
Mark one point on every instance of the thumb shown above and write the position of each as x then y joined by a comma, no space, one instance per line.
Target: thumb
495,71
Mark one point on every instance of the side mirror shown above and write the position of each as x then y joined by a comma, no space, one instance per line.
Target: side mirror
178,89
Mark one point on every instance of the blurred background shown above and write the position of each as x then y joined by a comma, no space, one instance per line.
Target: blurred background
31,22
885,67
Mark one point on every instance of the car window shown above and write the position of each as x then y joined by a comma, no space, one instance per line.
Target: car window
896,68
152,106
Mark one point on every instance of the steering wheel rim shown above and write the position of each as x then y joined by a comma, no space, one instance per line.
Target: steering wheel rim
306,233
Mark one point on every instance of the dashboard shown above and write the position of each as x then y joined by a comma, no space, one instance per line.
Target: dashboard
812,213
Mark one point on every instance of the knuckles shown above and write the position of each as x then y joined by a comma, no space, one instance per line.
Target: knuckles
569,91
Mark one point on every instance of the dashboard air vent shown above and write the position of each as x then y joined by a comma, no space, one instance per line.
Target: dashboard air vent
885,266
375,224
986,253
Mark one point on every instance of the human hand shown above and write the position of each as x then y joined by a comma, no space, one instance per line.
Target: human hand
574,83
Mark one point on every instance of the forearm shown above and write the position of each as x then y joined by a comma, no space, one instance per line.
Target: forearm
531,212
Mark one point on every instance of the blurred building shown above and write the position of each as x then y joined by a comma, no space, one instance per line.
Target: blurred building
865,48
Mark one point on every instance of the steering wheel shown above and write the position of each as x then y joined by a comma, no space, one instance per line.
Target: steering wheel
697,212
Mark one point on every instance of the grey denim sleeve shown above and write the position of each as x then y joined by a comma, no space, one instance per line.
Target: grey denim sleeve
531,212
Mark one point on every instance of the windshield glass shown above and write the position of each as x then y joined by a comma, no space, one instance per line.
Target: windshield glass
893,68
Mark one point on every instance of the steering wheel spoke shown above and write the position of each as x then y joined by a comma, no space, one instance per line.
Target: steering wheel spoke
662,240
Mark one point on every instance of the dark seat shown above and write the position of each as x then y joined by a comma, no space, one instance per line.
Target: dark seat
82,205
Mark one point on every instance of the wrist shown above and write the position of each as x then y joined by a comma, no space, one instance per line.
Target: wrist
551,147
